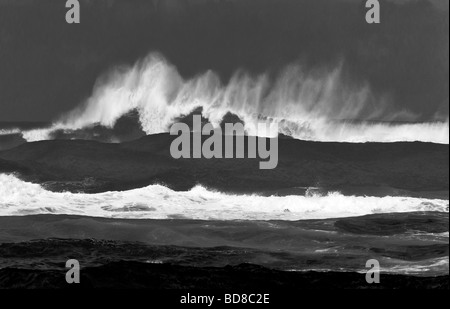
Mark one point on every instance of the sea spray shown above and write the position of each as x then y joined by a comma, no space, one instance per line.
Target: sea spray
318,105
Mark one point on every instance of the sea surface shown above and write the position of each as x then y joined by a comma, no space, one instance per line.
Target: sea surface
52,211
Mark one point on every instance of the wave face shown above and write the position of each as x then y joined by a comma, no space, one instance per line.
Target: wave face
19,198
319,105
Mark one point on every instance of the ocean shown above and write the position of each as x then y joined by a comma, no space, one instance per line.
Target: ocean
324,212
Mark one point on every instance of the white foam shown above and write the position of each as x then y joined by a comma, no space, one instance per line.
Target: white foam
158,202
425,267
38,134
9,131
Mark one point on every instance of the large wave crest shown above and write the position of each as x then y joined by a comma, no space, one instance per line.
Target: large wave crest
319,105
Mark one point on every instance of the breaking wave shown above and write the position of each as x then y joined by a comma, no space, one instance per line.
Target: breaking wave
19,198
10,131
318,105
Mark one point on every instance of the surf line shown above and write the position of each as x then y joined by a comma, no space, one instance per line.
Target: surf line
212,146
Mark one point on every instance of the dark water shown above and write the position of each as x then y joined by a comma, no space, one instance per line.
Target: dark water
410,245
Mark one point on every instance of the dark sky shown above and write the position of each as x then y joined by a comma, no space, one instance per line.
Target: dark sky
48,67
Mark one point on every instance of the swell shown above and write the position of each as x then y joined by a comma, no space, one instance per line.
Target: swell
372,169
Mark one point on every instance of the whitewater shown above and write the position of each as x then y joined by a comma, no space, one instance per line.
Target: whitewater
19,198
318,105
